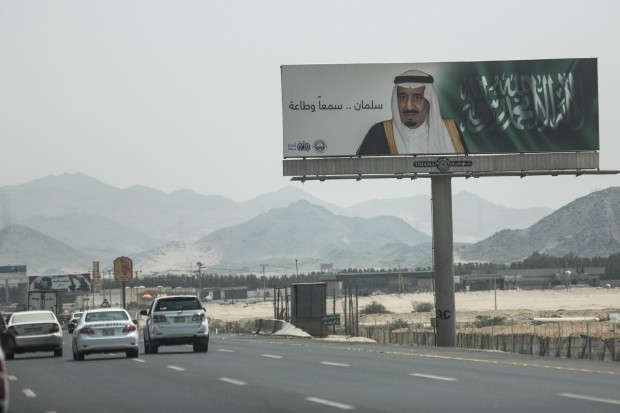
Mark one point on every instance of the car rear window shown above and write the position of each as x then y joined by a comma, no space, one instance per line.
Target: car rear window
32,318
178,304
106,316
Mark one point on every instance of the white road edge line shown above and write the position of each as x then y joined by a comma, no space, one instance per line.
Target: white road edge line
271,356
329,363
233,381
430,376
589,398
29,393
330,403
177,368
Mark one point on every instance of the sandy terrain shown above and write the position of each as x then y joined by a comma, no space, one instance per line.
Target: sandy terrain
519,305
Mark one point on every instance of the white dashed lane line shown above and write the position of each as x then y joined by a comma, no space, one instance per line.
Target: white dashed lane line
223,350
589,398
11,377
177,368
271,356
29,393
430,376
139,360
329,363
330,403
233,381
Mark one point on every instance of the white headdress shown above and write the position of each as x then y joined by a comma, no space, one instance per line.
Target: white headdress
430,137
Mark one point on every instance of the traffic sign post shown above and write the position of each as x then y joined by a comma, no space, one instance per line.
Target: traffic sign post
123,272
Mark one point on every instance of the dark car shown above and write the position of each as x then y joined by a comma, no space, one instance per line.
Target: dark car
73,322
2,323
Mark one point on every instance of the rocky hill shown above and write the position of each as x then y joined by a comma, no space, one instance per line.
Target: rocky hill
586,227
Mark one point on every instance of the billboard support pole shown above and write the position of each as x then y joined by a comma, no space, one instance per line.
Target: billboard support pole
443,258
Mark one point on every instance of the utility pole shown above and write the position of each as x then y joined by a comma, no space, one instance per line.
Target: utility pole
264,284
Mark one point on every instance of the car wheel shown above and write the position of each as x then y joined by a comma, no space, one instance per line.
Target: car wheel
58,352
200,347
77,356
147,350
131,353
153,348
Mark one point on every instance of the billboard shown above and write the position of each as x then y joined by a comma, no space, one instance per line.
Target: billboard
62,282
12,272
489,107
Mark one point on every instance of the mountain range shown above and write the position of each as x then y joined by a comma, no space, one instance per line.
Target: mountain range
62,223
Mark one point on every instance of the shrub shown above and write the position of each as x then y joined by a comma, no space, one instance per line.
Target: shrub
422,307
398,324
375,308
487,321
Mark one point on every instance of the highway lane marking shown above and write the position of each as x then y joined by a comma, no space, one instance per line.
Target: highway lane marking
177,368
139,360
589,398
272,356
29,393
430,376
330,403
467,359
223,350
329,363
11,377
233,381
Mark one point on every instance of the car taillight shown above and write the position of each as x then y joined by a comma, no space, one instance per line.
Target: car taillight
12,331
159,318
198,316
87,330
55,328
128,328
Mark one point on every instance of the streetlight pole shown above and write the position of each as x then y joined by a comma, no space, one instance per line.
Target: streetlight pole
200,265
296,272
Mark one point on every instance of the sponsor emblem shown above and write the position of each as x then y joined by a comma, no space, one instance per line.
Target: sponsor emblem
443,164
319,146
303,146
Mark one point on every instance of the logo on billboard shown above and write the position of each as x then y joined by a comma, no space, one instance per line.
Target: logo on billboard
443,164
319,146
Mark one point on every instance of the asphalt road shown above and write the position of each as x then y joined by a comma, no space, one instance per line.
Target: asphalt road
262,374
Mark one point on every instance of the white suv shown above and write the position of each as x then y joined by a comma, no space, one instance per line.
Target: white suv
175,320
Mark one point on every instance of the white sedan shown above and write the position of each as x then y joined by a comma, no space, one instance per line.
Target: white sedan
105,330
32,331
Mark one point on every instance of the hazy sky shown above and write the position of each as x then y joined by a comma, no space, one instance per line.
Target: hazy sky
187,95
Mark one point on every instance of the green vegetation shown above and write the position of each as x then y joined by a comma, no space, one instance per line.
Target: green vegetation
374,308
398,324
488,321
422,307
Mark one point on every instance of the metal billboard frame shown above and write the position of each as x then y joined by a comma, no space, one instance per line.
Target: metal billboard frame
468,166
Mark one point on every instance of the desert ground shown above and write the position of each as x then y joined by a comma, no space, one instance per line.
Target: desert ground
515,304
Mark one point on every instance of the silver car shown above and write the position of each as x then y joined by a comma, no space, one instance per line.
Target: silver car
105,330
32,331
176,320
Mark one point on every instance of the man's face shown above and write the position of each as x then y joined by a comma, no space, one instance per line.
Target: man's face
412,106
